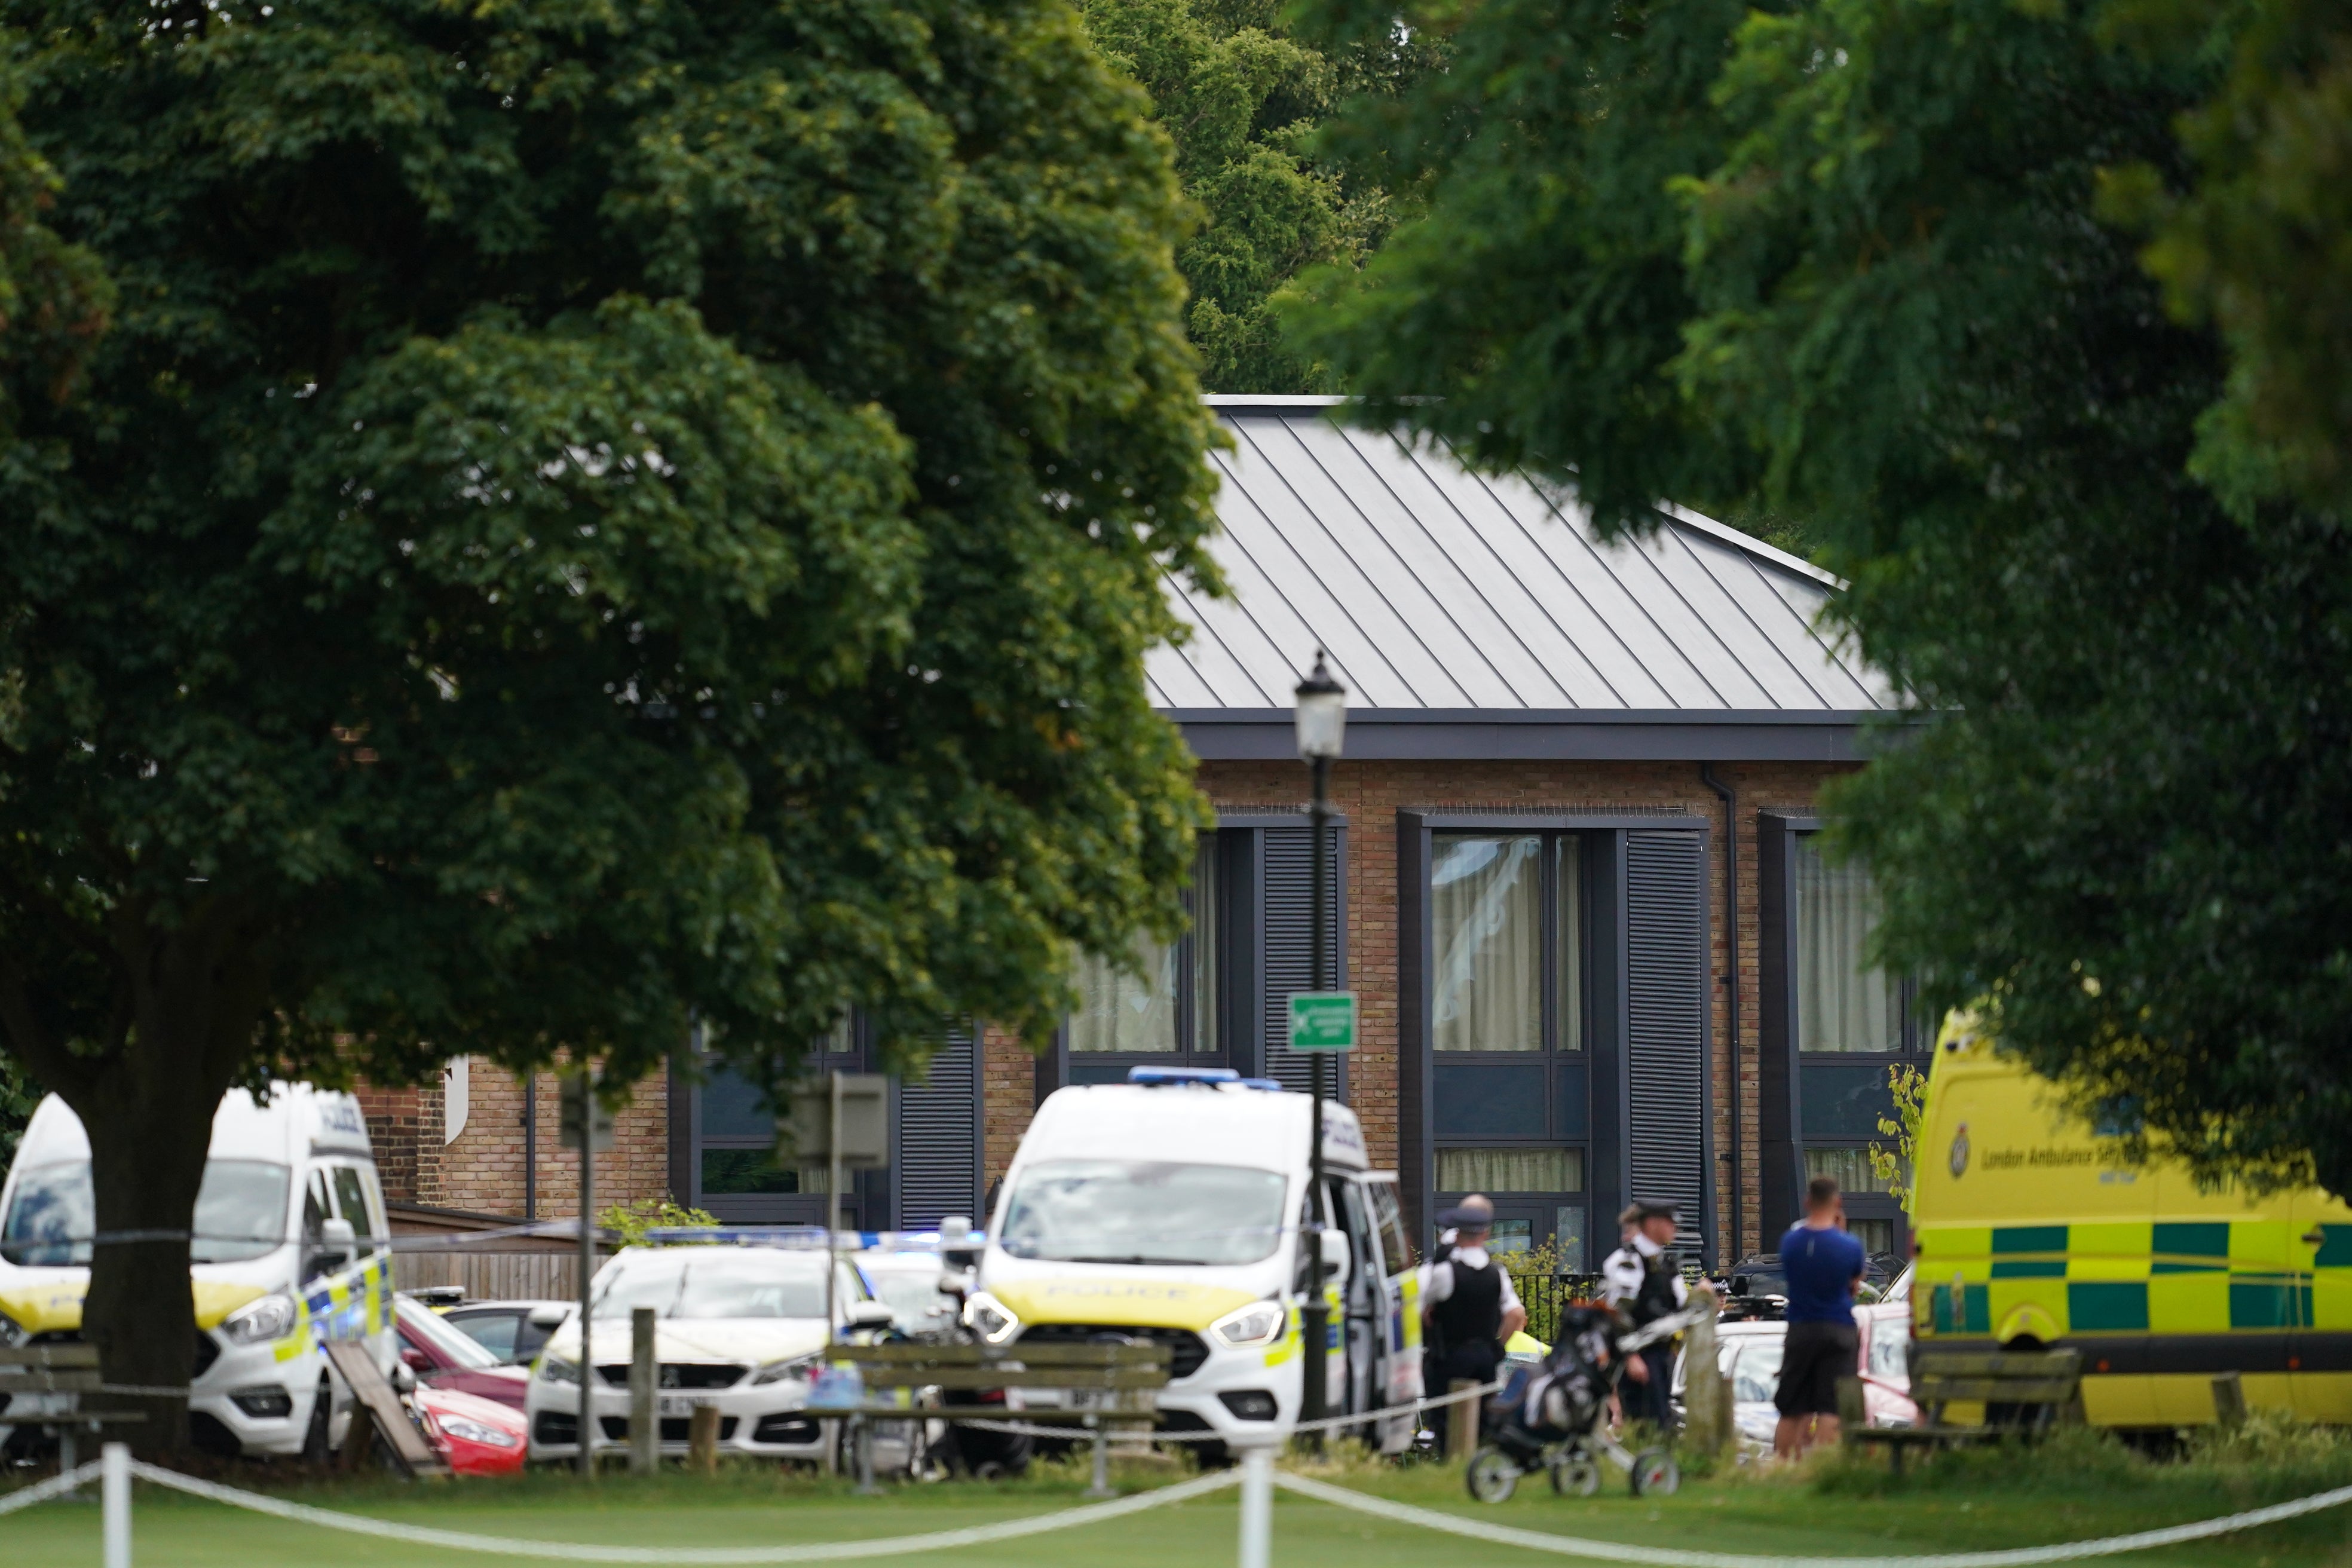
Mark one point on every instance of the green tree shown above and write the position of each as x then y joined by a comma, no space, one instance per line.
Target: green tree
1879,265
1241,100
586,513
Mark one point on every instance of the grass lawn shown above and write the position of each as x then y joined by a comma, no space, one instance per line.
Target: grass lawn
1839,1511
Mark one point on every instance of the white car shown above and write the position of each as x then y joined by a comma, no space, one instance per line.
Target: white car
740,1327
911,1284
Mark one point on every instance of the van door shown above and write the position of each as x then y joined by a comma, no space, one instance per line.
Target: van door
2320,1379
1397,1376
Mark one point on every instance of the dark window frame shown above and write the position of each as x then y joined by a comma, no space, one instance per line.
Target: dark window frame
1782,1066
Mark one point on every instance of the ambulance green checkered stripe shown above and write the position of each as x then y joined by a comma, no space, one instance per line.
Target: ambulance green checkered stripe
2029,1239
2107,1306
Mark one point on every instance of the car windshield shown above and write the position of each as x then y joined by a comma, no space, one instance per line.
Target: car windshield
910,1294
1148,1212
1756,1377
422,1324
240,1213
712,1282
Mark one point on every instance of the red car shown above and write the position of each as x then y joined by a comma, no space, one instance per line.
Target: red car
443,1358
476,1436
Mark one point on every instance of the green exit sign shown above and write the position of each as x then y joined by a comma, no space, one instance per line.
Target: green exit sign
1322,1020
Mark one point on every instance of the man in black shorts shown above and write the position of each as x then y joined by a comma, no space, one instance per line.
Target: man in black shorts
1821,1262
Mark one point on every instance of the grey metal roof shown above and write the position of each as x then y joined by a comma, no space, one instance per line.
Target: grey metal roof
1445,595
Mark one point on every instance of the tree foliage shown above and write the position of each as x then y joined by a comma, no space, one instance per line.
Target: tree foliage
1242,98
587,511
1894,267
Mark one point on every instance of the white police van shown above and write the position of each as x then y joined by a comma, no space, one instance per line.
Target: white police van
1170,1207
289,1246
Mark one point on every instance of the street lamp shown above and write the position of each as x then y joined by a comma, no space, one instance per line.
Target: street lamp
1322,728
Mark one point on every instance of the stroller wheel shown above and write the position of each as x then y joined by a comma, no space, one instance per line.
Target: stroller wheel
1655,1474
1575,1476
1491,1476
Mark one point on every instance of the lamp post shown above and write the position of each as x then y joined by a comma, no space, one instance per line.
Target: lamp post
1322,727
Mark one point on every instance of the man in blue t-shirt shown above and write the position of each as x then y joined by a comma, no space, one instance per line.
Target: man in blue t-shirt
1821,1262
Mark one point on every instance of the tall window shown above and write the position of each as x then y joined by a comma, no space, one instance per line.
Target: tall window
1843,1002
1506,997
1165,1001
1852,1026
1497,904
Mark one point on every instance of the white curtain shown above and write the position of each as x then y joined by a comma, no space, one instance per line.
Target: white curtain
1843,1004
1510,1170
1486,920
1137,1011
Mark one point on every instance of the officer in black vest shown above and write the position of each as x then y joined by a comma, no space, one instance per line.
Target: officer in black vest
1640,1280
1469,1307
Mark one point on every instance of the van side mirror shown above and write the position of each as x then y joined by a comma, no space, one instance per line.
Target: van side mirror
336,1246
1336,1254
870,1315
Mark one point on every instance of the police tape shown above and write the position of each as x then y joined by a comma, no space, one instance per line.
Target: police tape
585,1551
1330,1423
1676,1557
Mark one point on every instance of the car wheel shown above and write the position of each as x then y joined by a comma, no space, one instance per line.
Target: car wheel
1655,1474
314,1437
1491,1476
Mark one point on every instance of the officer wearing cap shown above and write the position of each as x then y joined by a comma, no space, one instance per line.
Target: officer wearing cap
1640,1280
1468,1303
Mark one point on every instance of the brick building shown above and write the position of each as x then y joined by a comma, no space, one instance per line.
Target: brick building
1596,954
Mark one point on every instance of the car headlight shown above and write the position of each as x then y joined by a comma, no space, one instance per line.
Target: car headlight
990,1319
557,1370
1259,1323
475,1431
269,1319
800,1366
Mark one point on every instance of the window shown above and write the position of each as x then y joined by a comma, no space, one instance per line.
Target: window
1165,1002
1506,1032
1842,1002
1489,896
1492,1170
1853,1024
735,1151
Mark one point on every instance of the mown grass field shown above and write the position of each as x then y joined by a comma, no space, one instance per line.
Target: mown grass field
2062,1492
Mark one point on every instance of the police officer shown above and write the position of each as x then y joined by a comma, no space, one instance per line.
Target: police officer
1469,1306
1640,1280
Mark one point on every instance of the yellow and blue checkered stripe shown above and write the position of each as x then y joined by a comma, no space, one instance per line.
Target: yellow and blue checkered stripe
2165,1278
351,1305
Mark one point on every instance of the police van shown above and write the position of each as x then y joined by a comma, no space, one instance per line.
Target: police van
1175,1207
289,1247
2035,1231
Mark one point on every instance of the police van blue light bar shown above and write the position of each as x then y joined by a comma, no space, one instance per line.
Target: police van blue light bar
1162,1077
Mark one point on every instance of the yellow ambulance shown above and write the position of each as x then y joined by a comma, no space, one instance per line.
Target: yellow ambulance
2032,1230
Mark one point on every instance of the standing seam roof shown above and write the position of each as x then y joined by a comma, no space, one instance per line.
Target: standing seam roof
1432,587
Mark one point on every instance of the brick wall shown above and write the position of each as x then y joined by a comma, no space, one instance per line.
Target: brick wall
405,1129
483,1168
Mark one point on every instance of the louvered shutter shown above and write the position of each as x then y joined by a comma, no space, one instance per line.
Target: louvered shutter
938,1137
1665,1057
1289,956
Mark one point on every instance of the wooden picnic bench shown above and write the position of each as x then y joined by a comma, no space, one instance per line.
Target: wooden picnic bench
70,1369
2023,1393
1119,1381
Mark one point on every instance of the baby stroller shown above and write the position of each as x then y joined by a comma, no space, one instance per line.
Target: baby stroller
1554,1415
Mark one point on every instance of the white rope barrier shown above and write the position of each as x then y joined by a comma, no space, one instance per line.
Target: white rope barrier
585,1552
1675,1557
54,1487
1272,1434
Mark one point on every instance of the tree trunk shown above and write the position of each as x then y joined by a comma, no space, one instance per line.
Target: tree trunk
147,1160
